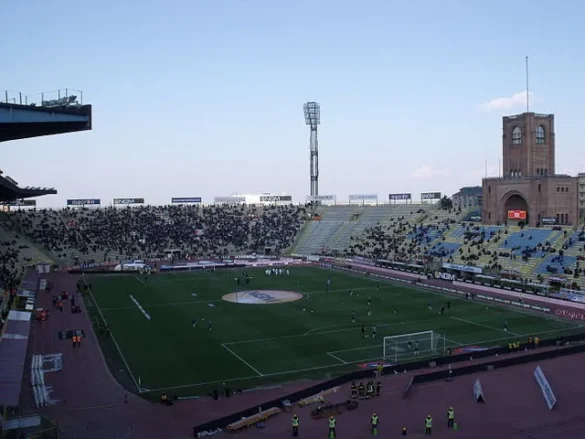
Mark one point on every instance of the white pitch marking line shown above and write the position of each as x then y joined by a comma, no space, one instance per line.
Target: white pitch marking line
242,360
336,358
139,280
363,360
142,310
481,325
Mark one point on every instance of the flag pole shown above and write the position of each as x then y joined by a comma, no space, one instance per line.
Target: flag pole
527,89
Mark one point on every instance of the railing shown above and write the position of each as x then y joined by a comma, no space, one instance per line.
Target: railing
65,97
523,178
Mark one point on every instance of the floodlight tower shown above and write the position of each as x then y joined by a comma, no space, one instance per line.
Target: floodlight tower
313,118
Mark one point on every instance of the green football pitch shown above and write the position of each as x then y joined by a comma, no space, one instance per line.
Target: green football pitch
154,343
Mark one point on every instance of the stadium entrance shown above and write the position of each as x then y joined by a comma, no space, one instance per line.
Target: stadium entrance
516,209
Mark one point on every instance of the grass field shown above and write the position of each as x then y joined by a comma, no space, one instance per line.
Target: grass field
252,345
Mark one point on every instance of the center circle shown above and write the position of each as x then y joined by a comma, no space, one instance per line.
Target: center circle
262,297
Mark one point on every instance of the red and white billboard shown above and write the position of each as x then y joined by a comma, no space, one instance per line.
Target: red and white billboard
517,214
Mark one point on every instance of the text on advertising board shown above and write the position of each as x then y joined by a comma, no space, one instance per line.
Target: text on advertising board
128,200
274,198
397,197
548,220
547,392
84,202
517,214
465,268
321,198
21,203
185,200
445,276
430,196
363,197
229,200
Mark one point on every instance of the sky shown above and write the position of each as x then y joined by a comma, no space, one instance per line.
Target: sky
204,98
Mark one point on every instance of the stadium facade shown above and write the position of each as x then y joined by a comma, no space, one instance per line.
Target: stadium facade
530,191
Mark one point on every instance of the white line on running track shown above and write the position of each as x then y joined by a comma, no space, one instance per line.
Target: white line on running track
481,325
242,360
337,358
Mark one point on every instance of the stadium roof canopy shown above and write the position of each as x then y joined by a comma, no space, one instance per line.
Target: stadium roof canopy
10,191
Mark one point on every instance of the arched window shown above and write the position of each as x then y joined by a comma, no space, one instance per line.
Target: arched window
516,136
540,135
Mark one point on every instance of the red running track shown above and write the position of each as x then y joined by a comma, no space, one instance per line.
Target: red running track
514,407
89,402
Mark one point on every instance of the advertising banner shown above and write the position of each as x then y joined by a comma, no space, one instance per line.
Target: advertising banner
517,214
21,203
275,198
399,197
465,268
475,218
548,220
84,202
364,197
321,198
128,200
430,196
186,200
229,200
547,392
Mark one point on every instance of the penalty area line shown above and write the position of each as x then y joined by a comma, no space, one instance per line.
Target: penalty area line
336,358
242,360
481,325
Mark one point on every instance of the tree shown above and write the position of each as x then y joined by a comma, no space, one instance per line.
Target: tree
446,203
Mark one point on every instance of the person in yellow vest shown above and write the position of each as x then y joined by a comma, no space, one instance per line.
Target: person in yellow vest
332,423
450,417
353,390
536,341
374,423
380,369
428,425
511,347
295,425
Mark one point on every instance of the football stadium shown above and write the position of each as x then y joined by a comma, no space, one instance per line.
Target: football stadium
226,316
265,314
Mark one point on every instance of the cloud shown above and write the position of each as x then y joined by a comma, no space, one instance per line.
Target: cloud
574,170
428,172
478,174
517,100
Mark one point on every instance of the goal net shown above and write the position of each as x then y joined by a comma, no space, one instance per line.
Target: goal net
409,345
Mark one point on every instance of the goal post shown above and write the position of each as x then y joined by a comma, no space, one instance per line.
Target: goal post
423,343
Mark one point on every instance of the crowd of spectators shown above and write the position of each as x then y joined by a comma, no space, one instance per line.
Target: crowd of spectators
11,262
401,241
110,234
